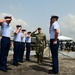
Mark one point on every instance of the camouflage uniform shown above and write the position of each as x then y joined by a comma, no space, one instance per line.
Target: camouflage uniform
40,44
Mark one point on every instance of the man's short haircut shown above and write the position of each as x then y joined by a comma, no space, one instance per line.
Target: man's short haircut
29,32
39,28
54,17
6,17
18,26
23,29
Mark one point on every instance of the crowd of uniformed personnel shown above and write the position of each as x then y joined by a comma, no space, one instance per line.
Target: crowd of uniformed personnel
21,39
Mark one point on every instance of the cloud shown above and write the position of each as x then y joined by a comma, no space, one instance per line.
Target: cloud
15,21
67,24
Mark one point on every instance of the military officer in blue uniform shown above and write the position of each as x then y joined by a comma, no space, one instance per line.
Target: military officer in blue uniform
54,43
23,39
5,42
17,45
28,43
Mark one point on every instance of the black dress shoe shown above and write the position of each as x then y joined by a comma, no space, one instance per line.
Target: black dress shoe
27,59
8,68
19,64
55,72
3,69
15,64
51,72
21,61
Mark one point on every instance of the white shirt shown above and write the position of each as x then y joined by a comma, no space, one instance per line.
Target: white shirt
23,39
17,37
54,26
28,39
6,30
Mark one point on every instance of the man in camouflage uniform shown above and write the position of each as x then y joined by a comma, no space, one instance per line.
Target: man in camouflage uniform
40,44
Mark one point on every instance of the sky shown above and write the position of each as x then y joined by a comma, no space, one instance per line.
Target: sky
32,14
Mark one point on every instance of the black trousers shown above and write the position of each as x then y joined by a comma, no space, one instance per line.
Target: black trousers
54,52
21,52
5,46
17,46
27,51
